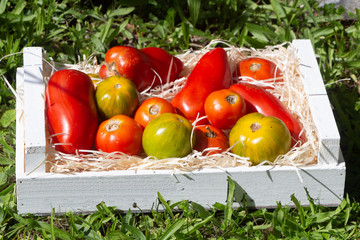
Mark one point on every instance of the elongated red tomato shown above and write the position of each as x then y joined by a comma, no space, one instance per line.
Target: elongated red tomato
71,111
259,100
211,73
166,66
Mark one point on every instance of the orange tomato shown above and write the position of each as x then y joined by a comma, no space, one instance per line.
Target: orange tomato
121,134
259,69
151,108
208,136
224,107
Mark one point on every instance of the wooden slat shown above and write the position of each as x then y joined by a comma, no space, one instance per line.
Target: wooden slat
264,186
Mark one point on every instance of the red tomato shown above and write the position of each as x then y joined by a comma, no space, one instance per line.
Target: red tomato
208,136
146,67
71,111
259,69
259,100
121,134
130,63
151,108
224,107
211,73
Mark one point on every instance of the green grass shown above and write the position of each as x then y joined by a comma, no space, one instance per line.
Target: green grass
70,28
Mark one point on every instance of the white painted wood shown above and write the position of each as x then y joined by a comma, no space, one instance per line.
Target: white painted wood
20,130
38,192
313,83
34,104
329,137
263,186
319,103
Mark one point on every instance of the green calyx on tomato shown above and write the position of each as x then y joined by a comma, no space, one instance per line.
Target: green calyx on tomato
116,95
168,135
259,138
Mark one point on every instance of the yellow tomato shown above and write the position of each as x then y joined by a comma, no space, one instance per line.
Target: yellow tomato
259,138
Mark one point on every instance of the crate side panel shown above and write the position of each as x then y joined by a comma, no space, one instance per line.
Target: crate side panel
265,188
20,130
329,136
82,194
34,106
38,195
313,82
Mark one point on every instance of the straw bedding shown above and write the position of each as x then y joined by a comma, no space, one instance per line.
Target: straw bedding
291,92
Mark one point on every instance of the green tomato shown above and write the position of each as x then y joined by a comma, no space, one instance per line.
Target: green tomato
116,95
168,136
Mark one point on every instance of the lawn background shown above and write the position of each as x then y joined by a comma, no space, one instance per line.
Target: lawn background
69,29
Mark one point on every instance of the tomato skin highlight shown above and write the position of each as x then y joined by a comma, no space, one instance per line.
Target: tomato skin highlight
119,134
259,69
211,73
208,136
152,108
140,65
116,95
224,107
259,100
259,138
71,110
168,136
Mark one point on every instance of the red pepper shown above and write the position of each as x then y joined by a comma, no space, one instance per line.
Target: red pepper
71,111
259,100
141,66
211,73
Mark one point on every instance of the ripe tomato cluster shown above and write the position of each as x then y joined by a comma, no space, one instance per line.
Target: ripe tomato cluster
210,114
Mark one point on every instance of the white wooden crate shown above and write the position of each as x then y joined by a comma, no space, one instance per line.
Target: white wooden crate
38,192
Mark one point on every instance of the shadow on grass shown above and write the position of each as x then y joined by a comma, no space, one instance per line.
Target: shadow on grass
343,101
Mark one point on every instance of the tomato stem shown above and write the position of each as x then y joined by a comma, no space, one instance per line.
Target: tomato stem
255,67
255,126
112,126
231,99
117,86
154,109
209,133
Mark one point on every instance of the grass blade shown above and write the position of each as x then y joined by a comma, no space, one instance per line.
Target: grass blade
300,209
135,232
166,205
201,224
173,229
194,6
230,199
